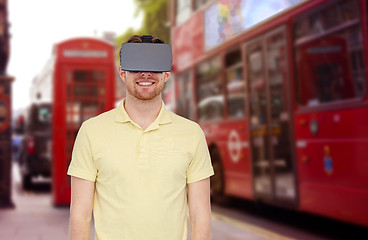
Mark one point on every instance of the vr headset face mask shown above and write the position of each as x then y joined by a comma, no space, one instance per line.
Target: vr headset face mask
146,57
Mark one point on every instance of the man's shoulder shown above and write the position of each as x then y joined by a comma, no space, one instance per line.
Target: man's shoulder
184,122
100,120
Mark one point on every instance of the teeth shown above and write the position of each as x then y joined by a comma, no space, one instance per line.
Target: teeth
145,83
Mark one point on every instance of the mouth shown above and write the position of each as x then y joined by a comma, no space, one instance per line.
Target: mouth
145,83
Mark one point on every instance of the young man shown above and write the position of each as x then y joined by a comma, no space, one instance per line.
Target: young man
138,167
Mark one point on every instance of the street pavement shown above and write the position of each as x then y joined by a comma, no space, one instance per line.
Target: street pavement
35,218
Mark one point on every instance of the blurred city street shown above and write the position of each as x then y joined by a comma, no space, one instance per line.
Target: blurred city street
279,89
35,218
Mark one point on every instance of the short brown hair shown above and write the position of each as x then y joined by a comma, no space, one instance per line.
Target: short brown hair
139,39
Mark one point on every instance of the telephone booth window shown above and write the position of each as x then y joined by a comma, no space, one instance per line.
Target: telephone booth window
85,99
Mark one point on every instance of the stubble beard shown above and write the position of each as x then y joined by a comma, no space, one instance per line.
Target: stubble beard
143,94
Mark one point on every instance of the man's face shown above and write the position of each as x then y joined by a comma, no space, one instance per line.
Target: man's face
144,85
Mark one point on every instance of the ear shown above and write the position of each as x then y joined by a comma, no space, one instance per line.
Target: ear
122,74
166,76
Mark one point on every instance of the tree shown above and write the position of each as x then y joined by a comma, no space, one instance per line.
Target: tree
155,20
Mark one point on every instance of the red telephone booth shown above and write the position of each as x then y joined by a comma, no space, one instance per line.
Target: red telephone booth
83,87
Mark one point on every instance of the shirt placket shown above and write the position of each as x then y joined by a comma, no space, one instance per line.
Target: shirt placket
143,150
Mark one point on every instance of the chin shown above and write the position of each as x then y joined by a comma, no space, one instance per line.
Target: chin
146,98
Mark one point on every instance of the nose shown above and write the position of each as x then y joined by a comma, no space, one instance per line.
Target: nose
143,74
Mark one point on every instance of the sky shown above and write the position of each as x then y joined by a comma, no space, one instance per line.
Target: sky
35,26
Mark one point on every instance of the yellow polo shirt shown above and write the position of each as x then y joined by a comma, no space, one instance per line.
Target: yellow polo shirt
140,175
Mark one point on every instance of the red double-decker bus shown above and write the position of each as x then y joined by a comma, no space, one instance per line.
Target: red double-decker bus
280,90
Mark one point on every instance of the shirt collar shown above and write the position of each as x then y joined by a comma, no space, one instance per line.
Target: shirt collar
122,116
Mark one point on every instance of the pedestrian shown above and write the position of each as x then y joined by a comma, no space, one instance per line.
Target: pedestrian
139,166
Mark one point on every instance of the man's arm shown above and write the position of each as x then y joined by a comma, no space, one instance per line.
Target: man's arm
199,209
81,209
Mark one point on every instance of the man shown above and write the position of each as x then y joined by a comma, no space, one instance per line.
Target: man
139,166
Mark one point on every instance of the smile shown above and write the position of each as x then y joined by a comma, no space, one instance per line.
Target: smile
145,83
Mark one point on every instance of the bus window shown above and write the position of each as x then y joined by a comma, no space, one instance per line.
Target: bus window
185,100
41,117
235,84
329,55
183,11
199,3
168,94
257,85
210,90
44,115
277,75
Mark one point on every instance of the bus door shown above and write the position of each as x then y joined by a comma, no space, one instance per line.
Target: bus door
269,119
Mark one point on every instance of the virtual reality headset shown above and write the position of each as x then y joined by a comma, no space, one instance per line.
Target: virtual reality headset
146,57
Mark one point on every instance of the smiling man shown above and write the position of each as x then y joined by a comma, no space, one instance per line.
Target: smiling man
139,167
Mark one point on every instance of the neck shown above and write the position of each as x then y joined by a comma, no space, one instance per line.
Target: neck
142,112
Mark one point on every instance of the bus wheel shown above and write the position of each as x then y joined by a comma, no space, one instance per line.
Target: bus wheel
218,181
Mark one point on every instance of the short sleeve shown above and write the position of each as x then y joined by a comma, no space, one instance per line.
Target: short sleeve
82,164
200,166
